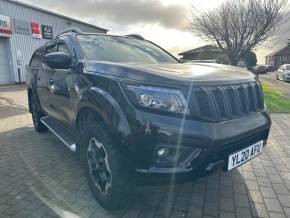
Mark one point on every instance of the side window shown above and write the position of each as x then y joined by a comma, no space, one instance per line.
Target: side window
51,49
36,59
62,47
282,67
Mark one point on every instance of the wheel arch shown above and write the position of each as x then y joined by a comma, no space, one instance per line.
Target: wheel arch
29,96
86,112
33,95
105,109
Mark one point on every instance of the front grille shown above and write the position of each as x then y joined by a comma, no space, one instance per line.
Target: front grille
220,103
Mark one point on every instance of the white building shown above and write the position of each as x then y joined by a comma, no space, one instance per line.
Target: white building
23,28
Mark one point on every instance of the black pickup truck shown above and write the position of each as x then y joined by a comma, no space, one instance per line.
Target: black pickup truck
129,108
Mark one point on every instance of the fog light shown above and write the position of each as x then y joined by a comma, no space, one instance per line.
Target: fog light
163,152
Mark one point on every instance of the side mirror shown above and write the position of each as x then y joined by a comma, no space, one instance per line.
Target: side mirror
182,60
57,60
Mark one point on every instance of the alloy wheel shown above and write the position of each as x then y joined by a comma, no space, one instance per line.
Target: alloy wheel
100,171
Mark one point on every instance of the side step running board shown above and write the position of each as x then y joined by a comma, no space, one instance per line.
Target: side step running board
60,132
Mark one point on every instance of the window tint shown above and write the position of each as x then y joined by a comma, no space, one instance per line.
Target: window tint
122,49
62,47
36,58
51,49
282,67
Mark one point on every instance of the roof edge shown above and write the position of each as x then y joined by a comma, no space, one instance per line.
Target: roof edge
54,13
275,52
194,49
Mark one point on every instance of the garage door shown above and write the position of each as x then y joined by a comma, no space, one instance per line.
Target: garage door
4,63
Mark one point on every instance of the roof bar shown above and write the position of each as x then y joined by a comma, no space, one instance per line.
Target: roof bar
72,29
137,36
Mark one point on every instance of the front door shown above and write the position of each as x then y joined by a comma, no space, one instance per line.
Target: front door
60,82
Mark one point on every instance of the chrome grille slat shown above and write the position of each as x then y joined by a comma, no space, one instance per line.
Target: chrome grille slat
206,103
228,101
251,98
220,102
242,95
231,101
260,100
255,97
238,100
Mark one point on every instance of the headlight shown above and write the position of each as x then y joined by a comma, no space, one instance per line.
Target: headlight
163,99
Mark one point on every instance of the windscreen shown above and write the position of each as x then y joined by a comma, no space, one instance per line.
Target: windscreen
122,49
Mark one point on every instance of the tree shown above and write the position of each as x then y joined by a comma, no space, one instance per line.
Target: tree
250,58
238,26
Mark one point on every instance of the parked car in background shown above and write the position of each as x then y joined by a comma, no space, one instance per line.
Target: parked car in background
199,61
283,73
259,69
269,68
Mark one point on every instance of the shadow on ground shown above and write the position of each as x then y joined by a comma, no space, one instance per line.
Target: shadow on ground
11,110
41,178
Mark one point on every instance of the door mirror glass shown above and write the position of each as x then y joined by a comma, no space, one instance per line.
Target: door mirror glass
57,60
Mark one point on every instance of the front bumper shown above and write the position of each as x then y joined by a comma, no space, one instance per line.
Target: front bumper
215,140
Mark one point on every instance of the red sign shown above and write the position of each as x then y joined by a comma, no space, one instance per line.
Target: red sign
36,30
5,25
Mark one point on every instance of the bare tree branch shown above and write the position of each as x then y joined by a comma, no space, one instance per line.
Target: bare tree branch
238,26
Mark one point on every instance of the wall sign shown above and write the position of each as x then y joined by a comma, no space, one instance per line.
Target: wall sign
5,25
22,27
46,32
36,30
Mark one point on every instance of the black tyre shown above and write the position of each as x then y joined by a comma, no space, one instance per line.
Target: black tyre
104,166
277,77
36,115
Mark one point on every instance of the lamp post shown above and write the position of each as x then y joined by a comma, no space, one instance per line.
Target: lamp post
288,45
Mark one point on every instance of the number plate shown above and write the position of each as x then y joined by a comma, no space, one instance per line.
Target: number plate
244,155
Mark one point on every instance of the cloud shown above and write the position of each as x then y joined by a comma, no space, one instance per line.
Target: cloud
175,41
122,12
